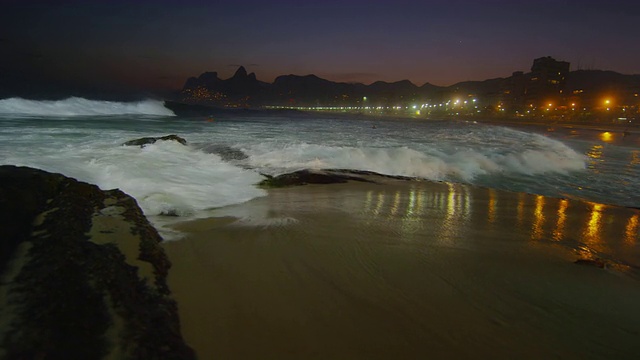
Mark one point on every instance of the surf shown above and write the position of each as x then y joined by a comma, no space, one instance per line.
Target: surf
77,106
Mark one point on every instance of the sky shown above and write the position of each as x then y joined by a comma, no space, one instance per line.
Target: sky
156,45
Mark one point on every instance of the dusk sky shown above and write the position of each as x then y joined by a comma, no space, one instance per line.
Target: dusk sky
158,44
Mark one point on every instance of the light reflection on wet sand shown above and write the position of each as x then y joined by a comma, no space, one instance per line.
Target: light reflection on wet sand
408,270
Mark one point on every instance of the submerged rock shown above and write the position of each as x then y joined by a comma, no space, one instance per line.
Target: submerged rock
83,273
150,140
226,153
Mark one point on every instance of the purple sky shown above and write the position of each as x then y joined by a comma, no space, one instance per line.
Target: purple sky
158,44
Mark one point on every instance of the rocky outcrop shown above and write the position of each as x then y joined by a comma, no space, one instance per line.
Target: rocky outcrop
83,273
150,140
328,176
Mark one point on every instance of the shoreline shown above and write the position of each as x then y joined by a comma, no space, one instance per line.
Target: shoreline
371,270
204,110
522,121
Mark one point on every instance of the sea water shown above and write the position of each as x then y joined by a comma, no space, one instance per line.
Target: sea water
229,154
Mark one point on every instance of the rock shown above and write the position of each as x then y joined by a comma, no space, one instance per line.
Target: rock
303,177
83,273
225,152
150,140
599,263
329,176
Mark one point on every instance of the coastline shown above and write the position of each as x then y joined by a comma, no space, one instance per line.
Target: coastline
408,268
496,120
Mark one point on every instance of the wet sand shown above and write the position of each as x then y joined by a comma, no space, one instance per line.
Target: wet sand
409,270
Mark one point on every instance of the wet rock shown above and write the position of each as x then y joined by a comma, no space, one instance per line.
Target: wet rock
150,140
303,177
599,263
226,153
83,273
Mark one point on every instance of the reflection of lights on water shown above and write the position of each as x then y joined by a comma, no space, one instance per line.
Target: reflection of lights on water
492,205
455,218
592,233
594,221
558,233
606,136
451,199
595,152
538,214
458,202
396,203
420,200
467,202
379,203
440,200
631,232
412,202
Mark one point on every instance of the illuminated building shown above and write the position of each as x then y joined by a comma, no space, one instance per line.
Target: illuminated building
547,79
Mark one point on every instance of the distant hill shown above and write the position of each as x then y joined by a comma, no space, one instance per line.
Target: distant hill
307,90
244,90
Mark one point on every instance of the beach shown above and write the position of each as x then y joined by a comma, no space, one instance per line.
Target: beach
409,269
478,241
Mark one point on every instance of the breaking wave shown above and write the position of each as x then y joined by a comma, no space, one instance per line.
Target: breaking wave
76,106
428,162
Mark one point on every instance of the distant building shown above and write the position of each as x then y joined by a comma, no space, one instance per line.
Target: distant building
547,79
516,89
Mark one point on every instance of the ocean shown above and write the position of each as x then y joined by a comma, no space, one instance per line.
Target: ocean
463,264
228,154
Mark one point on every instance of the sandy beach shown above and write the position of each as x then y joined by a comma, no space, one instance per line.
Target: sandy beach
409,270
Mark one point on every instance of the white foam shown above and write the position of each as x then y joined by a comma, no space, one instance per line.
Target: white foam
75,106
165,177
538,156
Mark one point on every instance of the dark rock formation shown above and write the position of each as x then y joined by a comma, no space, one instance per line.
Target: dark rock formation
225,152
599,263
150,140
83,273
328,176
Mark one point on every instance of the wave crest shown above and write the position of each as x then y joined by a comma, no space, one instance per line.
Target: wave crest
429,163
76,106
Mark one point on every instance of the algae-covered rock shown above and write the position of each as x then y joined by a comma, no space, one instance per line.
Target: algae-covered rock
83,273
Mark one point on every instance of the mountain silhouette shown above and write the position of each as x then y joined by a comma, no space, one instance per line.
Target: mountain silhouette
246,90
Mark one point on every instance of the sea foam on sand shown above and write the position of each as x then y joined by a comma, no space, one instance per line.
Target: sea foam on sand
409,270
